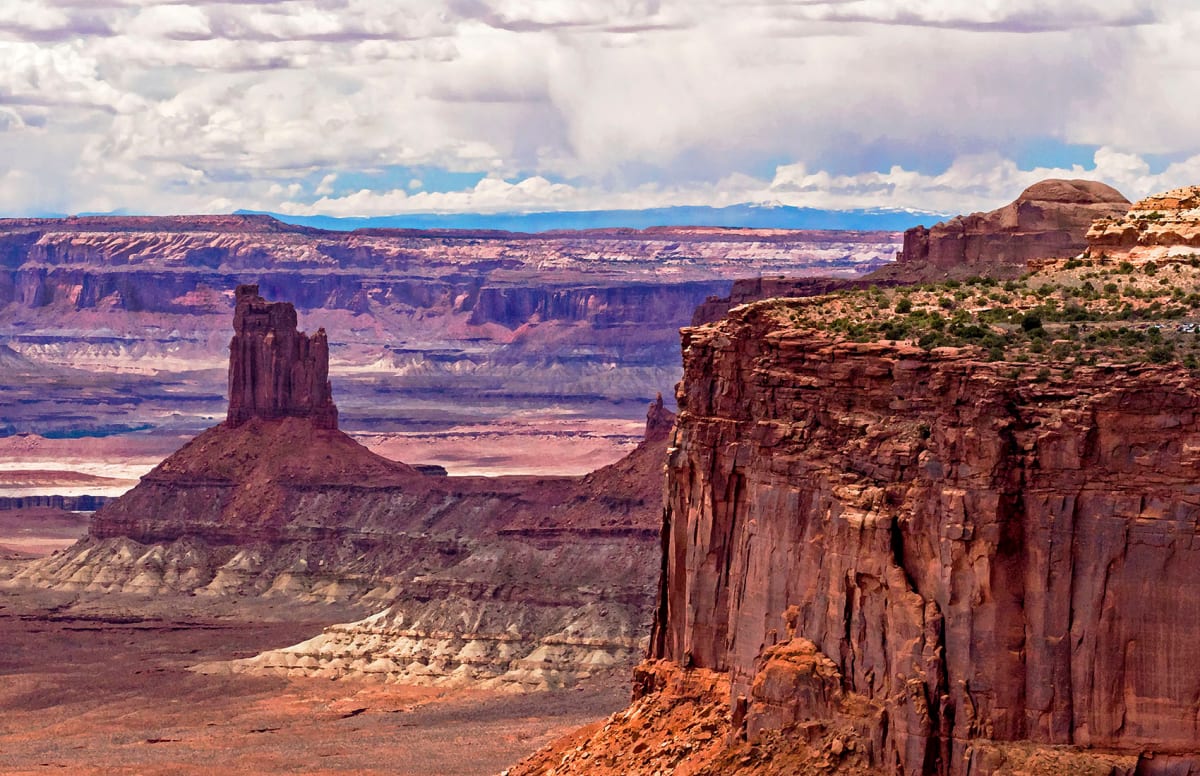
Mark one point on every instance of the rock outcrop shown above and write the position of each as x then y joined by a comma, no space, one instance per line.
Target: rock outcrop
985,563
1048,220
550,581
1162,226
276,371
913,560
519,582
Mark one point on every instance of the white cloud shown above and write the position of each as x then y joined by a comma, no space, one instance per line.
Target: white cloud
32,17
154,105
972,183
325,187
175,22
59,75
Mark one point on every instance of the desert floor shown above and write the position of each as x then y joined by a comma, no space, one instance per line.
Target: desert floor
105,688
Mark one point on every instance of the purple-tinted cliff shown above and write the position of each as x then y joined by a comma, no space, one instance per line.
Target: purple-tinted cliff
276,371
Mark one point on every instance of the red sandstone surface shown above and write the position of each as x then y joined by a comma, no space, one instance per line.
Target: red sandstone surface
1048,220
276,371
973,564
918,561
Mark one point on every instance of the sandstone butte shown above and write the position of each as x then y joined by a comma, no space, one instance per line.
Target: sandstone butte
1050,219
274,370
509,582
885,559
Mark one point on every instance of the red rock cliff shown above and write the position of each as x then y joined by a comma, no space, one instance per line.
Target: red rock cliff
980,565
1048,220
276,371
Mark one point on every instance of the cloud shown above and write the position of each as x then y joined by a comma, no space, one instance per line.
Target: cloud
155,105
62,75
1014,16
971,183
325,187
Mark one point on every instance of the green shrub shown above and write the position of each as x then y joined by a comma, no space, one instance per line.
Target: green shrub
1161,354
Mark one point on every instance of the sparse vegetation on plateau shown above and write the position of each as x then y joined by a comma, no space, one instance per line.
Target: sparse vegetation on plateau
1082,311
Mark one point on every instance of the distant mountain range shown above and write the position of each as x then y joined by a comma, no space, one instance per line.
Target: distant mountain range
734,216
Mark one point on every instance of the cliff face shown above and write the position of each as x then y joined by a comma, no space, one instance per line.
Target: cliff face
981,563
276,371
1048,220
1158,227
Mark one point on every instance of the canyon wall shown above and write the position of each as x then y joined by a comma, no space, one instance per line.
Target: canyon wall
432,328
979,563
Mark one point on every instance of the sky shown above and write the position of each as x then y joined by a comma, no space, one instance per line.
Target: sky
378,107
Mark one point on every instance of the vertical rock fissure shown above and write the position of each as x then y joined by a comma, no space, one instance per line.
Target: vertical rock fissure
662,612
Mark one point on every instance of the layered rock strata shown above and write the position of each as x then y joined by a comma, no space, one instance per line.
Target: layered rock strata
509,581
979,564
435,327
623,291
513,582
1162,226
550,581
1048,220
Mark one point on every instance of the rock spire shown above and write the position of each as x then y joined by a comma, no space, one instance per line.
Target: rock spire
659,420
276,371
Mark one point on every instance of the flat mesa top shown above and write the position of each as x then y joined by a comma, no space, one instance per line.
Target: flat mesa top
1067,313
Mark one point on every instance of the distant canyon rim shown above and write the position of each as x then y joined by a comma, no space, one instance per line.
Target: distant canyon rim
483,352
929,516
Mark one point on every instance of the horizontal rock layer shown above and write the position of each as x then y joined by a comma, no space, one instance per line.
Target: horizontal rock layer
983,560
1048,220
83,503
1160,226
514,582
